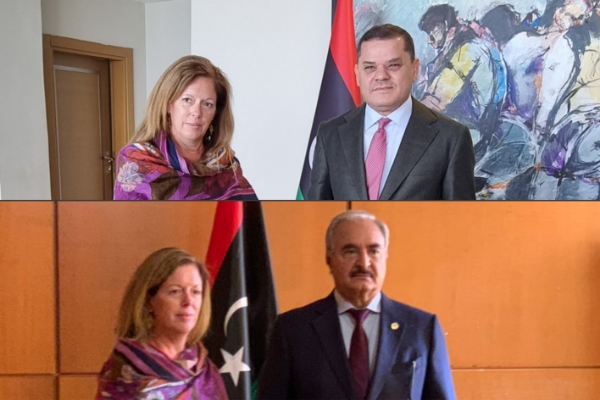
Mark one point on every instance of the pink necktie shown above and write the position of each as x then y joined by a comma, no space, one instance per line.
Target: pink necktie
359,354
376,160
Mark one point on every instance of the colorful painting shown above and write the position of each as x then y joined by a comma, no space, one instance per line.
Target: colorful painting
524,76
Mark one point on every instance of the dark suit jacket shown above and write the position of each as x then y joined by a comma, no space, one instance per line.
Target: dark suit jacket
307,359
435,160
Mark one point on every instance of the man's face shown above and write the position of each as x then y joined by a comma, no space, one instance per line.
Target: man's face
571,14
385,74
357,260
437,36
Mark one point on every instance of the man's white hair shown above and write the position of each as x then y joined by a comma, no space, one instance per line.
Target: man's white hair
353,215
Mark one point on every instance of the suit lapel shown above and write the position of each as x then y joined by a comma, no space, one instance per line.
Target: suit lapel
389,345
351,137
417,137
327,326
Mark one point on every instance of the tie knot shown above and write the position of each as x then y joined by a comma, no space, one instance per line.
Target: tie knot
383,122
359,315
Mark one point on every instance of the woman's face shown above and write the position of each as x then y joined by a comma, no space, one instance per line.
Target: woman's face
193,110
177,302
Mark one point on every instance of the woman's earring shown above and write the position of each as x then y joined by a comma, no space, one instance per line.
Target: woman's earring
210,132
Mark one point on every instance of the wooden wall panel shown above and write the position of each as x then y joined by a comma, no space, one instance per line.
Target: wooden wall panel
296,232
514,284
27,388
528,384
27,297
77,387
99,246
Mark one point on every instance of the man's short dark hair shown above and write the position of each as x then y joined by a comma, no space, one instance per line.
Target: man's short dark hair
503,21
441,14
388,31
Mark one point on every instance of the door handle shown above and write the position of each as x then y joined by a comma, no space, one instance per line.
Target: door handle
110,162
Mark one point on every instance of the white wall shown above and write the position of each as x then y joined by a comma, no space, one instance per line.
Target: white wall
24,165
274,54
168,36
111,22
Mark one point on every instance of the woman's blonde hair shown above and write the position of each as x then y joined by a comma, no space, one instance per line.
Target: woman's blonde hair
170,86
134,320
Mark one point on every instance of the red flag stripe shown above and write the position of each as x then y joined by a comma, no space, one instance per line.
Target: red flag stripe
343,46
228,219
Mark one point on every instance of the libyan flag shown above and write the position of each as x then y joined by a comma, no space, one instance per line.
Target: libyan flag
339,92
243,296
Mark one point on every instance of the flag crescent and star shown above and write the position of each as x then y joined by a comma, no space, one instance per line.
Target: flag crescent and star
234,364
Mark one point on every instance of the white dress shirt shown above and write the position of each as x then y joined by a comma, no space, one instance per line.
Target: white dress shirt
370,325
394,133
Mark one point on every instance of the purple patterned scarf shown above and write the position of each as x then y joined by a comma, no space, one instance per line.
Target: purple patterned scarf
155,171
139,371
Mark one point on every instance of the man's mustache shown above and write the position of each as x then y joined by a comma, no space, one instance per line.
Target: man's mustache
360,271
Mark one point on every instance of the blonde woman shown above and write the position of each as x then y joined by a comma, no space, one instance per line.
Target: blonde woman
182,149
164,314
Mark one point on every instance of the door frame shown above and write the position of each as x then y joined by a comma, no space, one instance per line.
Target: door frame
121,93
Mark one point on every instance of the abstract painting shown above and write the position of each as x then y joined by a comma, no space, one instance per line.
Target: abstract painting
524,76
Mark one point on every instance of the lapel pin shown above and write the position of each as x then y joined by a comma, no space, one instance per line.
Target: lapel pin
394,326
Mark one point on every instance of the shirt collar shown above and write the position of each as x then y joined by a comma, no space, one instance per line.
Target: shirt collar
343,305
400,113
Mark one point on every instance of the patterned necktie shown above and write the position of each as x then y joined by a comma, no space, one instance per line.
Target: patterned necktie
376,160
359,354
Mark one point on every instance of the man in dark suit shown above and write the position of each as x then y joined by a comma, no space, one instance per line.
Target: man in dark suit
356,343
392,147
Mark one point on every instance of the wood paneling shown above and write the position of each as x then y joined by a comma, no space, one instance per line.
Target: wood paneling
99,247
296,233
27,388
514,284
27,297
77,387
528,384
